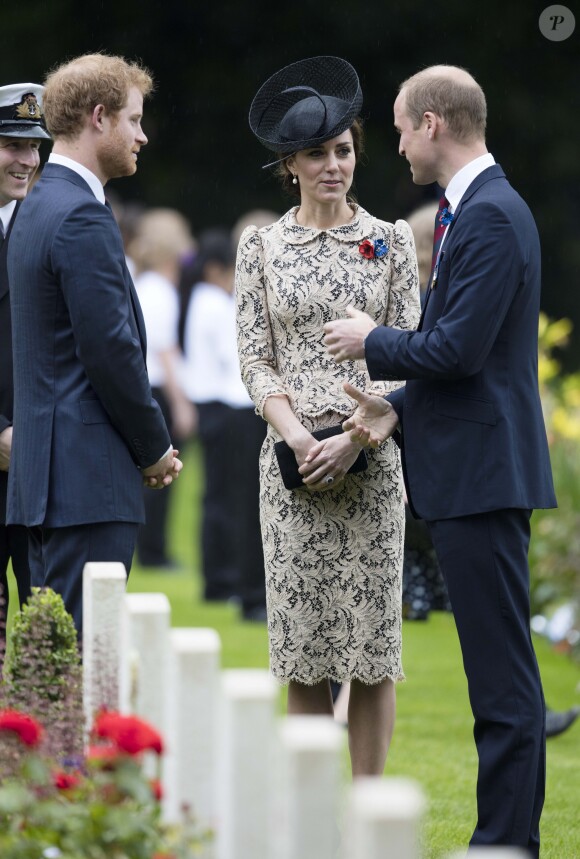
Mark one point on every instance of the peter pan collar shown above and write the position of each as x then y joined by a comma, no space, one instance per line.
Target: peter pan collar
292,232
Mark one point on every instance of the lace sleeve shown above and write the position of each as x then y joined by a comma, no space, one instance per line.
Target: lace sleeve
404,302
404,307
256,348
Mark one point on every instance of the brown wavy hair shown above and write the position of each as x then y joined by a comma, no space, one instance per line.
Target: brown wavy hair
74,89
284,174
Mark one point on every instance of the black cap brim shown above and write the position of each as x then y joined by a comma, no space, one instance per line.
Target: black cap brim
11,128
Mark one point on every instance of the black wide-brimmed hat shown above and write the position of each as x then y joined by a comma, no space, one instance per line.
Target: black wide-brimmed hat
21,111
305,104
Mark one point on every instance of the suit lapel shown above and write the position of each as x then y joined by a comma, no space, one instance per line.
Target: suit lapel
493,172
4,255
136,307
138,313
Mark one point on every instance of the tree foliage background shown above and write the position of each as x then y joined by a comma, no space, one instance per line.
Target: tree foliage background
208,60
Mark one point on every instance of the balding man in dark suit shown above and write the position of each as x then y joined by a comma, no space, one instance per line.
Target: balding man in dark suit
474,446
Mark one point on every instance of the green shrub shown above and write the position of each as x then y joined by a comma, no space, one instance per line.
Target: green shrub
555,547
43,672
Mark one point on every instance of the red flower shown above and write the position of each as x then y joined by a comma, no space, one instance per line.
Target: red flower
106,752
129,733
367,249
27,728
65,781
156,789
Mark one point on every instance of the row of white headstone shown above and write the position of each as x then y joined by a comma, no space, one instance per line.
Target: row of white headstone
269,787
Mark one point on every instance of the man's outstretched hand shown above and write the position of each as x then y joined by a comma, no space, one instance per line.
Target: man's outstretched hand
374,420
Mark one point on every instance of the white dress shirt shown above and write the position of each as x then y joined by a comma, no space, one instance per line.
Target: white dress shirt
6,213
461,182
464,177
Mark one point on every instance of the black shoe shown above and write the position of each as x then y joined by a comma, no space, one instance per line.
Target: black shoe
557,723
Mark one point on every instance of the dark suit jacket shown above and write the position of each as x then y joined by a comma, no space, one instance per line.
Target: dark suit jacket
6,383
473,435
84,416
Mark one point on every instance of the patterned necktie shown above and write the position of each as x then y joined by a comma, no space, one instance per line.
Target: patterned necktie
442,218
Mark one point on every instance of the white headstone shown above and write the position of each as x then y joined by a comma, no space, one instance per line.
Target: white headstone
384,819
248,762
193,713
145,657
103,597
310,788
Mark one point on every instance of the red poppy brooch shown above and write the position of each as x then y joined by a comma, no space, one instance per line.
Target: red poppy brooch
370,250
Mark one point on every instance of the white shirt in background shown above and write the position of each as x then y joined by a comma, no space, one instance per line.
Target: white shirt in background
160,305
212,369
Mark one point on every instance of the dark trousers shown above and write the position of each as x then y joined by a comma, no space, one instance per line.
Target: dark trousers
219,450
250,432
484,559
58,557
13,545
152,535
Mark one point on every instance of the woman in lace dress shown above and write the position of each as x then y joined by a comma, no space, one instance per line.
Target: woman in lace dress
333,549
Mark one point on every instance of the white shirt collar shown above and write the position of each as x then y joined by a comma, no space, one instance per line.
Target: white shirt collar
464,177
6,213
92,181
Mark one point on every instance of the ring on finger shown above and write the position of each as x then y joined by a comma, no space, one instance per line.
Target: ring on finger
329,479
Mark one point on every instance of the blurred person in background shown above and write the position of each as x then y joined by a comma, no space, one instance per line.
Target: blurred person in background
161,239
127,213
213,384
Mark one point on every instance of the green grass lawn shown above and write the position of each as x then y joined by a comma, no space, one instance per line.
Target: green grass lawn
433,742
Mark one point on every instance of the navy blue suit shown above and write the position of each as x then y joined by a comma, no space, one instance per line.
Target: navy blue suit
13,538
84,416
476,462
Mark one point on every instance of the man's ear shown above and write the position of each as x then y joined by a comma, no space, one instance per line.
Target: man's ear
432,123
97,116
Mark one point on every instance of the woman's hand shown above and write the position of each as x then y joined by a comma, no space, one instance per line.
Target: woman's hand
330,458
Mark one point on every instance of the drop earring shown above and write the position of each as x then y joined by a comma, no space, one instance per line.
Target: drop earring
295,180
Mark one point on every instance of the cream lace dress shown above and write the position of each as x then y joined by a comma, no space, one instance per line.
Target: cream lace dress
333,559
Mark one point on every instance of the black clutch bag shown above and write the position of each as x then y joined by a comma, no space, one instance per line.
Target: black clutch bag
291,477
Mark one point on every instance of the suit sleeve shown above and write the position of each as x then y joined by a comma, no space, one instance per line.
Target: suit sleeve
88,260
485,264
